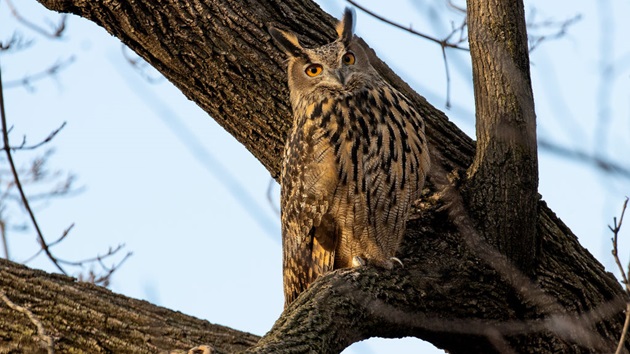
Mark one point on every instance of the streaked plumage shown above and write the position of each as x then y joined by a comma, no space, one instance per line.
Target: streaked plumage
355,160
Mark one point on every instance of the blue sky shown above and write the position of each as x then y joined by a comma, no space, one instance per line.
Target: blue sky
191,203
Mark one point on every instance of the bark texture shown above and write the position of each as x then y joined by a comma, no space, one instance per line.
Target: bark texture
454,290
84,318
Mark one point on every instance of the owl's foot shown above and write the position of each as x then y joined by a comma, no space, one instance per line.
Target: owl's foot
358,262
202,349
398,261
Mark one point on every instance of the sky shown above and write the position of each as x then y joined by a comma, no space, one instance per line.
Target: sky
155,173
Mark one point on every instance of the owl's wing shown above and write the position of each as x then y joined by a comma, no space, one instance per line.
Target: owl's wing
397,176
309,178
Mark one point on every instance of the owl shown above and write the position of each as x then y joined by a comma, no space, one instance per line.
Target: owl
354,162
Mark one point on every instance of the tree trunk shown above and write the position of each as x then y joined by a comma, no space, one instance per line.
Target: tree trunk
503,179
454,291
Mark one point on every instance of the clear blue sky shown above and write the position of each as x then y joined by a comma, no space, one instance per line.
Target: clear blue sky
191,203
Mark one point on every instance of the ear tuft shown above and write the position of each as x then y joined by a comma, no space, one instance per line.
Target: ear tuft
345,27
287,41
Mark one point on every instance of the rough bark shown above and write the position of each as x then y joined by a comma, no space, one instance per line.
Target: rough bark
454,291
84,318
503,179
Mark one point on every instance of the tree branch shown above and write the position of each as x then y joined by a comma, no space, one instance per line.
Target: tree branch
218,53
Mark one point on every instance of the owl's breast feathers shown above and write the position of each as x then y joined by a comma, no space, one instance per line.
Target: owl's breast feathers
353,165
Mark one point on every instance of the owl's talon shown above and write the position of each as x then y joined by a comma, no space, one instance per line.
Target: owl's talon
202,349
398,261
358,261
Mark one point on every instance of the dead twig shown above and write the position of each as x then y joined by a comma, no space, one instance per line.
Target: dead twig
624,276
561,30
444,43
46,140
581,156
142,67
272,204
51,71
16,43
61,238
18,184
57,30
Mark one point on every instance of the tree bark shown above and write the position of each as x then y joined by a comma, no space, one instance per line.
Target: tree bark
454,291
84,318
502,190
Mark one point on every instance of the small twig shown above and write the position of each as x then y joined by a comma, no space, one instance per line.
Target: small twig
18,184
453,6
63,236
598,162
141,66
98,258
624,331
535,40
270,198
57,29
41,332
448,80
615,251
16,42
51,71
5,242
443,43
110,271
48,139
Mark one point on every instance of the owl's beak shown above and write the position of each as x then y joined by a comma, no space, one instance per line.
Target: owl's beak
341,77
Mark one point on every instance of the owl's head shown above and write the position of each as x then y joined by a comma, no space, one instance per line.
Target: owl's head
339,67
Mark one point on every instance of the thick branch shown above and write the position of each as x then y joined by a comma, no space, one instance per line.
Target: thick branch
85,318
449,295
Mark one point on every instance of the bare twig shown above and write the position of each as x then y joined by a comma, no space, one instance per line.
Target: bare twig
270,197
98,258
444,43
624,276
16,42
57,30
598,162
142,67
561,31
53,70
448,80
5,241
615,230
65,233
455,7
624,331
18,184
41,332
49,138
104,279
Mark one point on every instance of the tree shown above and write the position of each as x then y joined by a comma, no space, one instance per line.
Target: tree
455,291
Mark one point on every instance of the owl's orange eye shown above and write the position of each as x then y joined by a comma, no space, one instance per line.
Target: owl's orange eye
348,58
314,70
